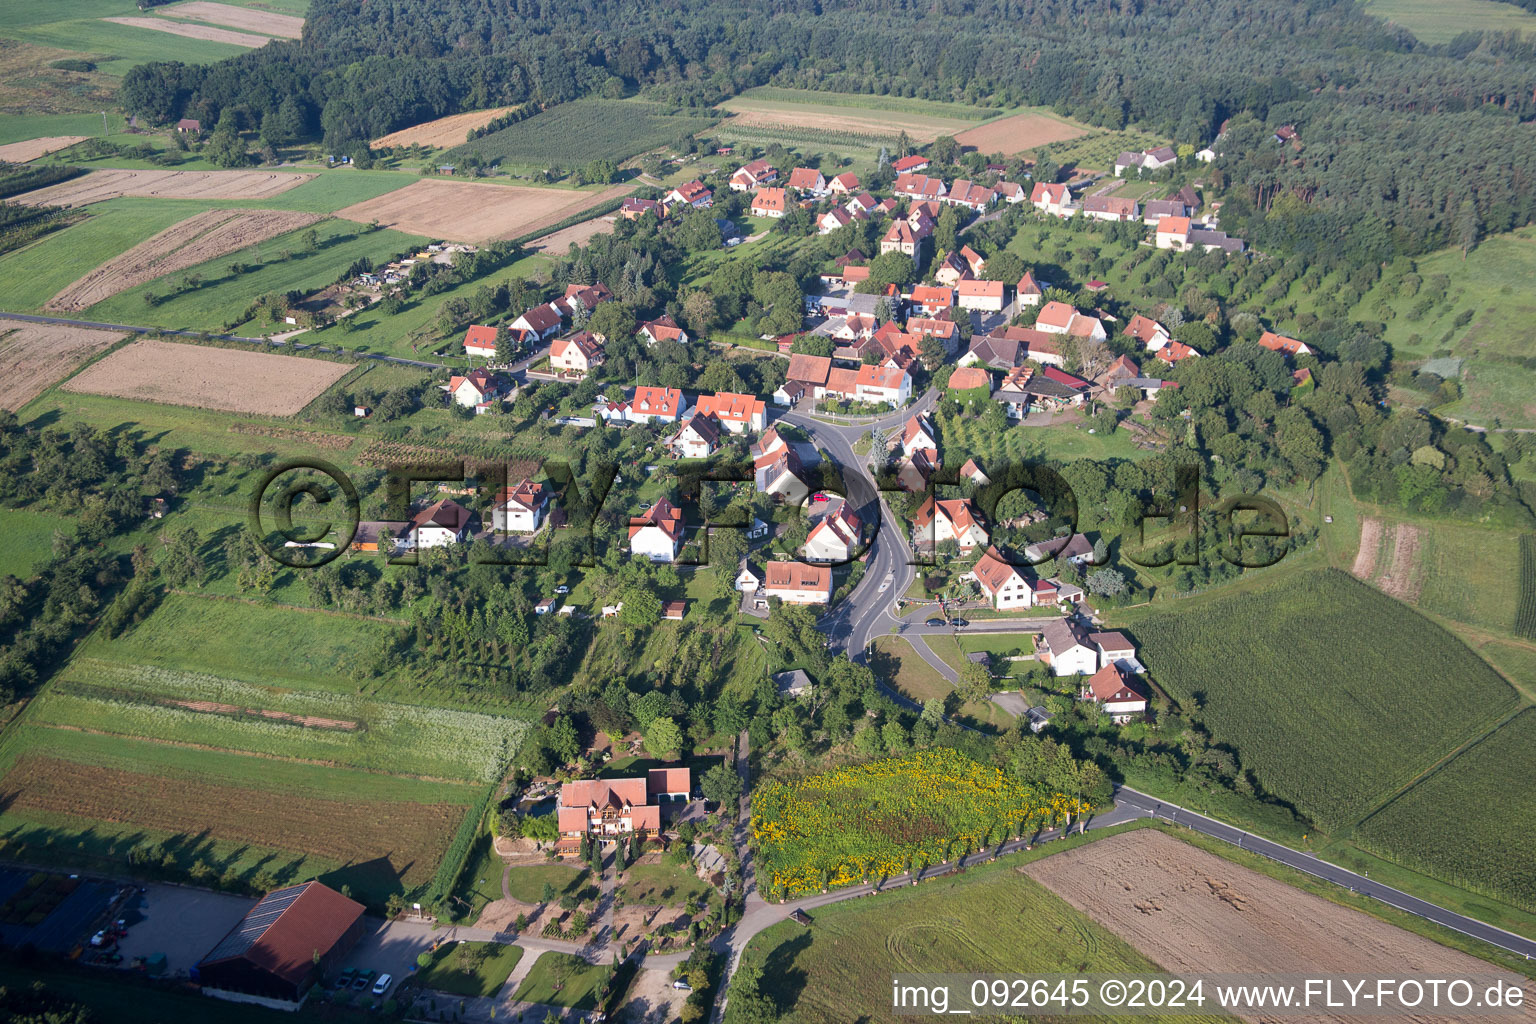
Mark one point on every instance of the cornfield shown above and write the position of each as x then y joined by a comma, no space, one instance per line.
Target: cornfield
1525,611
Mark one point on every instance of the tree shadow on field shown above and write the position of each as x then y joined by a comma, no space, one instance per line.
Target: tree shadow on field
782,980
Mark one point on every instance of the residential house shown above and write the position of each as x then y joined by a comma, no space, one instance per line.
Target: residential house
1027,292
917,434
808,181
576,353
947,331
1060,318
1076,549
835,537
973,472
699,437
1053,199
658,534
1003,584
1062,646
633,209
587,296
1175,351
1011,346
1149,332
663,328
971,196
1115,648
1011,192
1121,697
480,340
1111,208
692,193
735,412
970,378
794,683
1146,160
440,524
919,186
770,202
1285,346
1155,210
475,390
953,519
1172,233
983,295
541,321
753,176
798,583
610,808
189,126
845,184
887,384
777,470
651,404
811,371
902,237
973,259
932,299
910,164
833,219
521,509
862,204
951,270
1210,239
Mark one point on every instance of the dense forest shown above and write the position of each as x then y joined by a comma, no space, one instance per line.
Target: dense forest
1403,147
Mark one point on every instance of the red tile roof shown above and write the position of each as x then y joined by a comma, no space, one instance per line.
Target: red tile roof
286,928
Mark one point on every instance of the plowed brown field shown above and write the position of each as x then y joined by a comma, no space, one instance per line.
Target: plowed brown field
1194,912
227,379
21,152
268,23
443,133
34,356
1021,132
464,211
205,32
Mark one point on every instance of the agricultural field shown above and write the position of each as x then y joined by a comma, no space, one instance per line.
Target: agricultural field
1097,151
208,33
1213,916
35,356
26,538
1525,612
814,975
1022,132
441,133
232,380
913,810
809,118
1472,821
1469,573
81,28
199,238
464,211
248,19
99,186
1323,686
92,798
31,149
1434,21
581,131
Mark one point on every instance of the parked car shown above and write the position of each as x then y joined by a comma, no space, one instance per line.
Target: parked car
362,981
382,985
934,622
562,589
957,623
682,986
345,979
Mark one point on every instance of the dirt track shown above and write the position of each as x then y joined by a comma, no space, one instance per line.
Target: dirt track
21,152
99,186
197,239
442,133
287,26
34,356
1370,545
205,32
464,211
227,379
1018,133
1192,911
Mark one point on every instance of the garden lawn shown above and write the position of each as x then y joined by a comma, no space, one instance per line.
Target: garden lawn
563,979
470,968
991,919
665,883
1323,686
526,883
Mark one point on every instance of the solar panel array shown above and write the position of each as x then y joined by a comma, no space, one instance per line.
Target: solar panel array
262,916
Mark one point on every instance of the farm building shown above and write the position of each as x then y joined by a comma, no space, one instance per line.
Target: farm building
281,948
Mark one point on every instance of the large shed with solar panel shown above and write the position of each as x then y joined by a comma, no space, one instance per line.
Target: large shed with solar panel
287,942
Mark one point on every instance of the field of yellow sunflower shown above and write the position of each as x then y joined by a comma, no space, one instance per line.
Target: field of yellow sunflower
887,817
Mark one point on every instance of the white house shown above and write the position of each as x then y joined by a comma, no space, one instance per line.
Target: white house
754,175
735,412
650,405
1065,650
1053,199
541,321
658,534
916,434
1003,584
474,390
1060,318
576,353
834,538
1120,698
1076,549
798,583
983,295
953,519
808,180
520,509
662,329
1116,649
699,437
438,525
